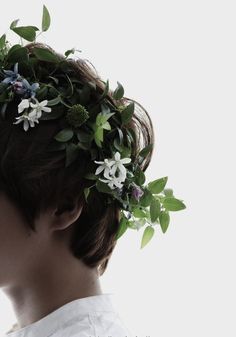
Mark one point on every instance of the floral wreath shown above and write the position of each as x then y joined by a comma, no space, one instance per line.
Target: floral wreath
88,126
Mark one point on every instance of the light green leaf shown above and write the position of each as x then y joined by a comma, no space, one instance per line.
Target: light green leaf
46,20
146,198
106,126
139,213
27,32
147,235
173,204
122,227
119,92
127,113
45,55
157,185
168,192
155,208
64,135
164,220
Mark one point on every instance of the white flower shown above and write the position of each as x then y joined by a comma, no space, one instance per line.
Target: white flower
114,170
106,166
24,104
38,107
119,164
28,119
113,182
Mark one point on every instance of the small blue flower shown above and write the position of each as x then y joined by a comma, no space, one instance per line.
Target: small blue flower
28,90
12,76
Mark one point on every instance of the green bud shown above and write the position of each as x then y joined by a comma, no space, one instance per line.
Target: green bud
77,115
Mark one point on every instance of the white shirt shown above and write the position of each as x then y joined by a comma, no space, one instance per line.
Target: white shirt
92,316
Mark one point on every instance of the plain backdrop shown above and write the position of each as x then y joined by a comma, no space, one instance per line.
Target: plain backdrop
178,59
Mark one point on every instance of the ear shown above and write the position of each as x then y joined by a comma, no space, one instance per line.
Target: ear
66,213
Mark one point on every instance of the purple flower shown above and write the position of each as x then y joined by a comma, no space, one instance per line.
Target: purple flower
18,87
137,192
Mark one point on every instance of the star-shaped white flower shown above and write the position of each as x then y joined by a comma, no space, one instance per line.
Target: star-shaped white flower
24,104
38,107
113,182
119,164
28,119
106,166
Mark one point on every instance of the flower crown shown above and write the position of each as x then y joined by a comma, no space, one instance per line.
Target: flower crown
100,129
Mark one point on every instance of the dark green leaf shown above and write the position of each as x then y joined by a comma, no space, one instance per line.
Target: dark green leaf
2,41
147,235
54,101
173,204
103,187
146,198
70,51
86,193
46,20
14,24
164,220
27,32
54,114
144,152
157,185
119,92
155,208
127,113
91,176
139,176
18,54
45,55
72,152
64,135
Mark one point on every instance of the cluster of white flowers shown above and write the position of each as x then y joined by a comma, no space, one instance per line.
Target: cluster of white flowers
111,168
29,118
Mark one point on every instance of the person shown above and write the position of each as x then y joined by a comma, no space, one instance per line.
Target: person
55,241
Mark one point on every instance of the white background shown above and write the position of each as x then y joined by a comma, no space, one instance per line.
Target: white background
178,59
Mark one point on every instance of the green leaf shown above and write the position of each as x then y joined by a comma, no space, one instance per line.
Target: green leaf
168,192
173,204
157,185
106,126
146,198
46,20
45,55
103,187
144,152
72,152
139,176
119,92
64,135
18,54
86,193
91,176
155,208
122,227
127,113
54,101
106,90
139,213
27,32
14,23
2,41
164,220
147,235
70,51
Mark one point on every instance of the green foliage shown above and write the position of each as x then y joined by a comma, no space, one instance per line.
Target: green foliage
157,185
145,151
64,135
173,204
123,225
164,220
155,208
127,113
45,55
119,92
46,20
147,235
27,32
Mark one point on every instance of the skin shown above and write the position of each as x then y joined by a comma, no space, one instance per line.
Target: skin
38,272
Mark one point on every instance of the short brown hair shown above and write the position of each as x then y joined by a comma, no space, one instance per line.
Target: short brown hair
35,179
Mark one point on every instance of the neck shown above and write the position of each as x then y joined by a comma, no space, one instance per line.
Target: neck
47,289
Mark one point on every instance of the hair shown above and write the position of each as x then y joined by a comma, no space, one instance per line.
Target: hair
35,179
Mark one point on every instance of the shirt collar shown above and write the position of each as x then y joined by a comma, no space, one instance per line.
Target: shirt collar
55,320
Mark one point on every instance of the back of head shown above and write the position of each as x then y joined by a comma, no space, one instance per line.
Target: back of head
33,174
